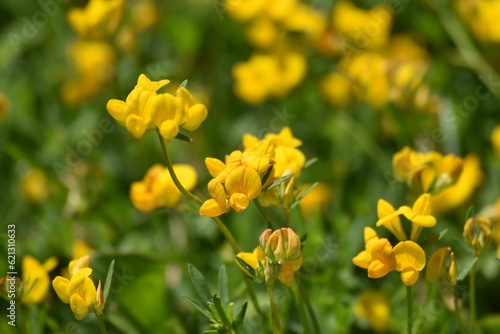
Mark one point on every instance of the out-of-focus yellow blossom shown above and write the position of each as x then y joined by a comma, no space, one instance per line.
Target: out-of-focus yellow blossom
363,29
477,233
374,307
410,258
36,280
244,10
482,18
305,19
80,248
95,64
144,15
79,290
457,194
368,73
385,209
495,139
336,89
98,20
157,189
378,256
403,48
4,107
318,197
34,186
262,33
439,270
420,216
266,76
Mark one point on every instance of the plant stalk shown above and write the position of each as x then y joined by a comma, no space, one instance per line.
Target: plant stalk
274,310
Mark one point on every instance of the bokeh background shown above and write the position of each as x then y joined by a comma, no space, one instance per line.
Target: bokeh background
355,81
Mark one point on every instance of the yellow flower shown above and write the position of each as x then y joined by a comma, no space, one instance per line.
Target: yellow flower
79,290
244,10
319,197
144,14
457,194
374,307
34,186
243,185
378,256
36,279
4,107
262,33
194,113
98,20
336,89
482,17
438,270
385,209
80,248
157,189
410,258
495,138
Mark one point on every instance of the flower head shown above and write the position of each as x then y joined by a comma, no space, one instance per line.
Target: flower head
36,279
98,20
438,270
477,233
410,258
281,245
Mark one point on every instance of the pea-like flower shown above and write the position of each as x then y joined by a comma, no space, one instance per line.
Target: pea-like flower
378,256
410,258
36,279
280,246
79,290
477,233
439,270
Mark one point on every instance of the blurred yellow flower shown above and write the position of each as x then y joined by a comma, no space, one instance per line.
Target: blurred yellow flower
378,256
318,197
144,15
364,29
98,20
410,258
266,76
482,18
336,89
157,189
495,140
262,33
34,186
36,280
80,248
374,307
4,107
478,233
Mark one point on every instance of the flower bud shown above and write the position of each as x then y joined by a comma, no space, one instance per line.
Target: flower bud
99,300
477,233
280,246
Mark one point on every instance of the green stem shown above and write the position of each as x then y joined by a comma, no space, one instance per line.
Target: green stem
302,312
457,311
227,234
472,297
468,50
307,302
101,324
409,300
264,215
22,319
171,170
274,310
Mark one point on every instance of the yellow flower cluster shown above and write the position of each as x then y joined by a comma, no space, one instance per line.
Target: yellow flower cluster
407,257
157,189
93,58
240,178
34,186
450,180
276,68
79,290
482,18
278,256
145,109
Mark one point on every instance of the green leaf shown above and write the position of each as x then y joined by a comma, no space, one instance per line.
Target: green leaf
247,267
466,269
470,213
220,310
223,285
442,233
310,162
230,309
183,137
199,283
203,309
304,193
109,278
238,321
277,182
